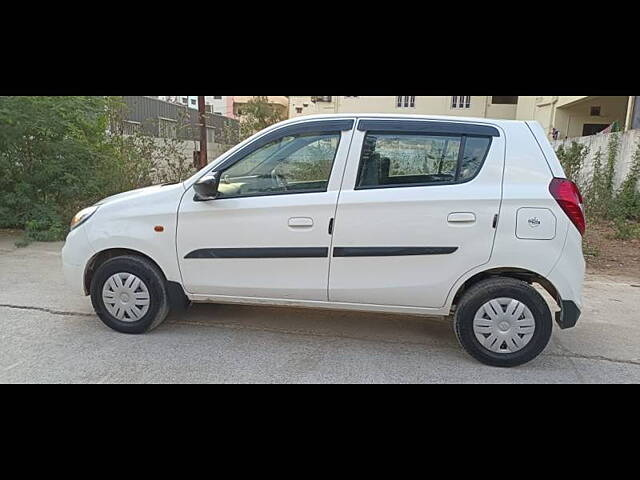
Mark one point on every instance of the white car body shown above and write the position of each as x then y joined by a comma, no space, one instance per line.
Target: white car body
503,220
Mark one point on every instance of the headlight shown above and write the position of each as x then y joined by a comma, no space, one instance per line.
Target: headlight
82,216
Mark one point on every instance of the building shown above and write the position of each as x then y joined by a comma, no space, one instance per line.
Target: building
227,106
191,102
571,116
174,120
218,105
281,105
581,116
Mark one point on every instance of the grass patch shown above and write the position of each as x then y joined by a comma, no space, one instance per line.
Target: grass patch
22,242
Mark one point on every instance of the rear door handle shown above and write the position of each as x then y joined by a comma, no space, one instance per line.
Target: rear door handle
301,222
461,217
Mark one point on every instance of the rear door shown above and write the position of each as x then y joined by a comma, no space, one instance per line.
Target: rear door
416,210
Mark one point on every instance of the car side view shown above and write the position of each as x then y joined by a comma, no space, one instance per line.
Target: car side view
407,214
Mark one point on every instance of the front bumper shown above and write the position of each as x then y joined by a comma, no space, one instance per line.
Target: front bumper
76,253
74,277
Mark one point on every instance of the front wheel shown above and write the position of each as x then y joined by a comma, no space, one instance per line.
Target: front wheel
129,294
503,322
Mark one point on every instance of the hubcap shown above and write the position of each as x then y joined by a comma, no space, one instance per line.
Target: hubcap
504,325
126,297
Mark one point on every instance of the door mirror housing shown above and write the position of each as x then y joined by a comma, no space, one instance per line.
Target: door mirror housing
207,187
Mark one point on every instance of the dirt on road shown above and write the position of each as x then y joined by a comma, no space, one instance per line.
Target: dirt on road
609,256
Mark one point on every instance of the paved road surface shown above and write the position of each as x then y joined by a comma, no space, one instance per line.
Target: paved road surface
48,334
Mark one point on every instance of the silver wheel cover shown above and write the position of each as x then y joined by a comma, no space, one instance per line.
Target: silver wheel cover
126,297
504,325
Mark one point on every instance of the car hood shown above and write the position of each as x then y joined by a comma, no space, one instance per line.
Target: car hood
140,192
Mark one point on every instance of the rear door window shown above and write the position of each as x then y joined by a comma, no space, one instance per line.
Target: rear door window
407,159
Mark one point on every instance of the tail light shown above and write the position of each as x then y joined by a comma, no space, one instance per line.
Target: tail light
569,198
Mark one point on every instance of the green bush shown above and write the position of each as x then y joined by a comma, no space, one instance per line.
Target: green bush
627,199
61,154
572,160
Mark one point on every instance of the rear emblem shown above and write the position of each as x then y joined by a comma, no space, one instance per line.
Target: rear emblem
534,222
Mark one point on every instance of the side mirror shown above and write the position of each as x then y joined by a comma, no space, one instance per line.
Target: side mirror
207,187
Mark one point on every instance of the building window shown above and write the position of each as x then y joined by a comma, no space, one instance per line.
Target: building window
406,102
350,97
217,98
298,109
193,102
595,111
593,128
184,100
504,100
461,102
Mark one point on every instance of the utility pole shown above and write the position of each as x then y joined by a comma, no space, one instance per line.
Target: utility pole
203,132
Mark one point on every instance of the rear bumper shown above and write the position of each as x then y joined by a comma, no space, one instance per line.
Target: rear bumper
567,278
568,315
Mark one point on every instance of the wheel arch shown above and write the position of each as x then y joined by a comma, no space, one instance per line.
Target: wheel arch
177,296
523,274
99,258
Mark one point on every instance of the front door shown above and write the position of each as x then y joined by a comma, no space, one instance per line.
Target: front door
416,211
267,235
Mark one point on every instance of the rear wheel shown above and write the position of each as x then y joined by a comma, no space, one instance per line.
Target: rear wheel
129,294
503,322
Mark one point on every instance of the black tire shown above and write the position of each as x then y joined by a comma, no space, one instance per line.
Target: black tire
498,287
153,279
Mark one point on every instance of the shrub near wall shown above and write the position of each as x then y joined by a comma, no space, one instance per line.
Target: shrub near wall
602,200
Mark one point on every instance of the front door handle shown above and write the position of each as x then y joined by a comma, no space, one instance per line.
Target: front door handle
301,222
461,217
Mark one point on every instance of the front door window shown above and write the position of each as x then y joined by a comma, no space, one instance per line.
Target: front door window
292,164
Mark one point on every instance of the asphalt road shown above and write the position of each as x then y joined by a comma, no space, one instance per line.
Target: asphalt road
50,335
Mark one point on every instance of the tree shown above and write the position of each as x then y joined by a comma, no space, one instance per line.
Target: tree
258,114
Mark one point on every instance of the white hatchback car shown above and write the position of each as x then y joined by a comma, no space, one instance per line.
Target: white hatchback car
387,213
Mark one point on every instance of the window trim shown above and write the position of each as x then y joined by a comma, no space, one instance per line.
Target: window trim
463,144
428,126
297,192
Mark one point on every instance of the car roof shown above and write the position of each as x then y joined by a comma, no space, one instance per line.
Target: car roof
394,116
